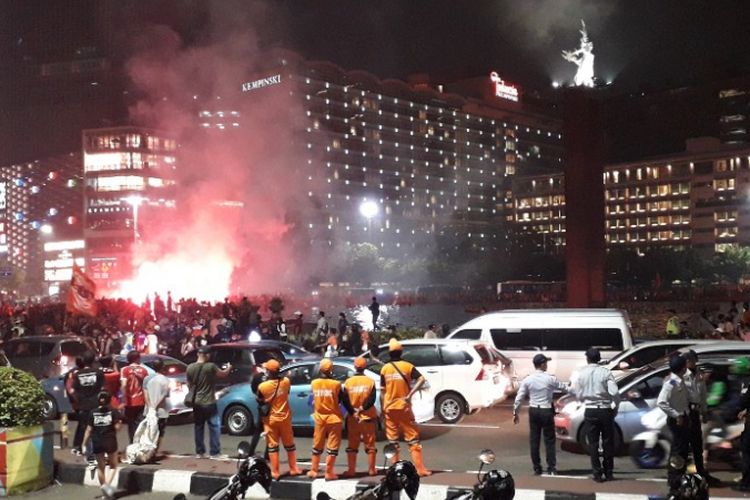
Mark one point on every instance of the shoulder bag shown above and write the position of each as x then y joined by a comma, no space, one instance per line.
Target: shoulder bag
264,409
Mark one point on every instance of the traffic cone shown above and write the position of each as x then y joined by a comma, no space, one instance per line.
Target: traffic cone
291,457
314,464
351,461
273,457
371,469
416,457
330,474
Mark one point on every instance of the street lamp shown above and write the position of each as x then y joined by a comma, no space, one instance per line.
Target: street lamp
369,209
135,201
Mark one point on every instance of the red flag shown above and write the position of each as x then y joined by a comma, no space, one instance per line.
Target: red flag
81,297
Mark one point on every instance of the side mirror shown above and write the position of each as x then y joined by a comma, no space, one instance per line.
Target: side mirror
486,456
244,450
390,451
623,365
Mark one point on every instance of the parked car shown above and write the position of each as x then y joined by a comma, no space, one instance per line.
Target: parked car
291,351
638,390
47,356
57,401
238,406
464,376
645,353
245,358
562,334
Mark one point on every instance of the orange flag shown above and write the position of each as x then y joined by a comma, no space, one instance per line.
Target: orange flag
81,297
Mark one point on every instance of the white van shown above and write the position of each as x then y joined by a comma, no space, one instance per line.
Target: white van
561,334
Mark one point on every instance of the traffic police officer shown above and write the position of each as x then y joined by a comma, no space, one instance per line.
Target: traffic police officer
673,400
540,387
744,484
396,390
278,423
326,393
596,388
358,397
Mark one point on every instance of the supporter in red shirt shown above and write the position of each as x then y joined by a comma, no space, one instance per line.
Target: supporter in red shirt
133,400
111,380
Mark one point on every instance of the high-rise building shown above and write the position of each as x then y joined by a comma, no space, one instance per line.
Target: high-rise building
129,174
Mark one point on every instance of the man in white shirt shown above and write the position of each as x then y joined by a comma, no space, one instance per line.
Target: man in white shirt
152,341
156,390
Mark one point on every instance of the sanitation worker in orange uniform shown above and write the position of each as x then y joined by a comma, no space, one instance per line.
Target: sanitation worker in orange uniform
358,397
278,423
326,393
397,386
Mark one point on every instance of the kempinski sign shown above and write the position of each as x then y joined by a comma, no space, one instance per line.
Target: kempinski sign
261,82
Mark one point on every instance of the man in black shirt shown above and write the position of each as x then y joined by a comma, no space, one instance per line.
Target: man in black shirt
87,384
101,428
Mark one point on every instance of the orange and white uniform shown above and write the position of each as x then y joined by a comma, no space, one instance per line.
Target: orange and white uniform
278,423
397,413
326,394
359,392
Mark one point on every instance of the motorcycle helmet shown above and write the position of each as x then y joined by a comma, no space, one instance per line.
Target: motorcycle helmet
740,366
497,485
256,470
690,487
403,476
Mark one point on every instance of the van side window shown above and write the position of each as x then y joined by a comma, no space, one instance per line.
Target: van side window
517,339
469,334
580,339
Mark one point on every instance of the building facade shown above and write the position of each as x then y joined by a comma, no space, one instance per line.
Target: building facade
129,173
697,199
41,205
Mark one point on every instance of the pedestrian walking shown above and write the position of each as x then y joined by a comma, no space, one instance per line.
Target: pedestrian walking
399,381
744,414
131,385
595,387
101,428
375,311
673,400
695,384
201,379
540,388
358,397
273,396
326,396
156,392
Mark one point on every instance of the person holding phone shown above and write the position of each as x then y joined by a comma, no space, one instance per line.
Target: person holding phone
201,378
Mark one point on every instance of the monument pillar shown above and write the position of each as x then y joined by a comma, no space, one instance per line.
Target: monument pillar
584,198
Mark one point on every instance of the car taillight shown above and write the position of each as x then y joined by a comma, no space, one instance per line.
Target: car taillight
480,376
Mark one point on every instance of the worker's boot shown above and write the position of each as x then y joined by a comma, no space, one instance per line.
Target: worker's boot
273,457
351,462
291,457
371,469
416,457
314,464
330,462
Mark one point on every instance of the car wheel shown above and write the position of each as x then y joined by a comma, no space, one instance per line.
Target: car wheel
647,458
239,420
50,408
584,440
450,407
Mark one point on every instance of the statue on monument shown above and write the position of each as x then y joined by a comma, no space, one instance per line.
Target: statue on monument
583,57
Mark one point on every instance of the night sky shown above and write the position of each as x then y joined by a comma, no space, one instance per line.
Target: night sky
638,43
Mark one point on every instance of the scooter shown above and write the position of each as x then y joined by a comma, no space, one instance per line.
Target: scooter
650,448
401,476
251,470
493,485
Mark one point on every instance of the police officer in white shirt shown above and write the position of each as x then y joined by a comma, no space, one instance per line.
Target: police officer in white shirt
540,387
673,400
695,384
596,388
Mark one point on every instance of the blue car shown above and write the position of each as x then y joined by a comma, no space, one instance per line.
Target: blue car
238,407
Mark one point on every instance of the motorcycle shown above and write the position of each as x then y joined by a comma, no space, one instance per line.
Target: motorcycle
493,485
251,470
401,476
650,448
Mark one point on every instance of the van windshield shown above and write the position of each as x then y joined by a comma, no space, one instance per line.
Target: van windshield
557,339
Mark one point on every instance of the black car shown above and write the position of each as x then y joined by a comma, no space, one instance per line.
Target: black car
47,356
244,357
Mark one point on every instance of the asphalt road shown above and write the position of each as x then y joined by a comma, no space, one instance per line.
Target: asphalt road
67,491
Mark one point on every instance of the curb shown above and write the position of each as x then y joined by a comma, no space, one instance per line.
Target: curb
134,479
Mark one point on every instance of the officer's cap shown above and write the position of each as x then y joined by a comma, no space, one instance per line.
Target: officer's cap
394,345
593,355
326,365
272,365
677,363
360,363
540,359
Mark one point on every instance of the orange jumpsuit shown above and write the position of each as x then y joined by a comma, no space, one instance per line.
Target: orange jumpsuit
327,416
278,423
397,411
359,392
